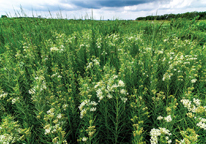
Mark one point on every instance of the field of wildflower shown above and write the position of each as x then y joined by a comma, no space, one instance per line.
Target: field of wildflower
97,82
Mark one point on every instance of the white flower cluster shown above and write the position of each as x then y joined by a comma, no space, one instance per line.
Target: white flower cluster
61,49
202,124
177,61
59,76
110,88
187,104
98,43
65,106
14,100
101,89
51,129
104,52
6,138
167,76
193,80
3,95
87,103
168,118
96,62
84,139
42,86
157,132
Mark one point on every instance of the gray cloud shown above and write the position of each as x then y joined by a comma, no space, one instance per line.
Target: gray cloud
106,9
96,4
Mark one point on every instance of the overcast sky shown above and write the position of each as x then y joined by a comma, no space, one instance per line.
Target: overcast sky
102,9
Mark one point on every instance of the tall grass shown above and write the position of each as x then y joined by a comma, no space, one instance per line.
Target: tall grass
85,81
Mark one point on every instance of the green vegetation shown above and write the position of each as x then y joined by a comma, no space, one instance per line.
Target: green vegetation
86,81
187,15
3,16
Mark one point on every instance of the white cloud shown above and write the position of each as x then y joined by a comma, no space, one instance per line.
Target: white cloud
147,6
41,7
177,4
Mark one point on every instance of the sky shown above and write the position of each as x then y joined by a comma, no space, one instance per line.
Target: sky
98,9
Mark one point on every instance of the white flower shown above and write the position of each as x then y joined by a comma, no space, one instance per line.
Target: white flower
54,49
93,103
54,130
114,85
122,91
159,117
81,45
93,109
51,114
192,58
121,83
43,85
61,46
164,130
193,109
83,112
59,116
95,62
32,91
196,101
169,141
109,96
59,76
3,95
124,99
96,85
168,118
49,111
202,125
53,75
64,106
13,101
100,98
90,64
84,139
115,76
155,132
99,93
148,49
47,131
193,80
186,63
82,104
166,76
186,103
109,88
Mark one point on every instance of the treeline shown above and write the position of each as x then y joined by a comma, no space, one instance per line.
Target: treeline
188,15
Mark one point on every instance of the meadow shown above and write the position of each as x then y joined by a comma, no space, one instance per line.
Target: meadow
117,82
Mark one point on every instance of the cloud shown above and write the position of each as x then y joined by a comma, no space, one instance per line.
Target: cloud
177,4
109,9
96,4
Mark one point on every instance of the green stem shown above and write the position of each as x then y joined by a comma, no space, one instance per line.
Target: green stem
106,122
116,125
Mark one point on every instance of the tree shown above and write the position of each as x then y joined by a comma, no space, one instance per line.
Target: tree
3,16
